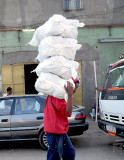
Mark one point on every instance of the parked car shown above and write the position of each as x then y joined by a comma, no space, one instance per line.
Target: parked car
22,118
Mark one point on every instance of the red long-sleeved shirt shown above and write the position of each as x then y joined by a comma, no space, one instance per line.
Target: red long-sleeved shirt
55,116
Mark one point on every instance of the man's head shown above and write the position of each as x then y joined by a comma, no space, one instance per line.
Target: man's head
9,91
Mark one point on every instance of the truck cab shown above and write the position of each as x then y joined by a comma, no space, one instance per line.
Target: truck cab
111,100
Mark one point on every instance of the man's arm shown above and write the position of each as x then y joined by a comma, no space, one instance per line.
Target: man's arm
69,89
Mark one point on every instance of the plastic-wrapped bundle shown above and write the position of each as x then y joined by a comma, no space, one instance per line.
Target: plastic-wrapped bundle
51,84
57,46
58,65
38,36
57,25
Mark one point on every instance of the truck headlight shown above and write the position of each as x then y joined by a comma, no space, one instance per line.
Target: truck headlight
101,114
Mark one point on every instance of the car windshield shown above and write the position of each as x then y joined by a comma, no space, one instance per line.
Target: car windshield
115,78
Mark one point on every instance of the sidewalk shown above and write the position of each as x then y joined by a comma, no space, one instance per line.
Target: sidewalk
98,145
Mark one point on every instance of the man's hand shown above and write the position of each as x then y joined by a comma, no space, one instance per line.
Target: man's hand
69,88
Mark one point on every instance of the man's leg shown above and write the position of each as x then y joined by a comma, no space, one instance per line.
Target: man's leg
55,149
68,149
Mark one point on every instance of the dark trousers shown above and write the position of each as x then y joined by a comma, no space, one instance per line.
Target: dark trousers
60,147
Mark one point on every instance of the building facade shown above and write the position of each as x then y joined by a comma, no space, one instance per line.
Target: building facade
104,21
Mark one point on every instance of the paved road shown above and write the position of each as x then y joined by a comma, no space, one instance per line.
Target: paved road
94,145
97,145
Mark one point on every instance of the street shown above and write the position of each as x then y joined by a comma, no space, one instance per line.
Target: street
93,144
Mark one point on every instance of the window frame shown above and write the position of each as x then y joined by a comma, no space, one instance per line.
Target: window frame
27,112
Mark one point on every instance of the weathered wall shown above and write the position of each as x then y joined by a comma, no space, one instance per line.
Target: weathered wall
18,57
30,13
103,53
13,50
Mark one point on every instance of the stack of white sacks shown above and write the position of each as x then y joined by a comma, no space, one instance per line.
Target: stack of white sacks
57,46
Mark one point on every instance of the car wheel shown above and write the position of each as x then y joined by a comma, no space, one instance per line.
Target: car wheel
43,140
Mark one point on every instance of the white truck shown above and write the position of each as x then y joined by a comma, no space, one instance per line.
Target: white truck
111,100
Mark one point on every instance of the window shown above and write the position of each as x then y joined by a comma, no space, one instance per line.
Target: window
5,106
26,106
72,4
115,78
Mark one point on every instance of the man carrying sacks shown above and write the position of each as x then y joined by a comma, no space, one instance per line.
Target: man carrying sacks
56,125
57,45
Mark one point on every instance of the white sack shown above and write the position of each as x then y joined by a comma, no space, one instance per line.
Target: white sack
50,84
38,36
57,25
58,65
57,46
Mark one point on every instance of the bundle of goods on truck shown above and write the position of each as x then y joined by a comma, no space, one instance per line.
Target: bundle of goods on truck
57,45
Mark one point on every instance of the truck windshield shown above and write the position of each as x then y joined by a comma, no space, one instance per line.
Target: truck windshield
115,78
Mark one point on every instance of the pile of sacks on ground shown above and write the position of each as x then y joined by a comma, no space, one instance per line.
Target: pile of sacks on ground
57,45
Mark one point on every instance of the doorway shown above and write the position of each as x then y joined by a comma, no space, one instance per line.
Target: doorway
30,78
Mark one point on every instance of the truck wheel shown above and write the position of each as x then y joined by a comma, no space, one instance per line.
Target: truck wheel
43,140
